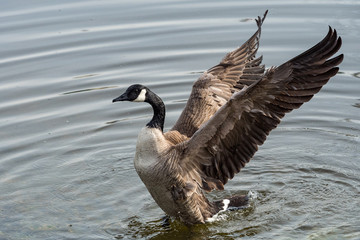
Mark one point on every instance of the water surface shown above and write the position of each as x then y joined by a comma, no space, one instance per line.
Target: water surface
66,151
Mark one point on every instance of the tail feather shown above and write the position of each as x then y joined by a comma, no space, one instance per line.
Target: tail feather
233,202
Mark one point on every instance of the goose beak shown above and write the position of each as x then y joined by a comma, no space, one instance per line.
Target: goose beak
123,97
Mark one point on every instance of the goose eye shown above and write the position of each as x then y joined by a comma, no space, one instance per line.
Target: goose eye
137,91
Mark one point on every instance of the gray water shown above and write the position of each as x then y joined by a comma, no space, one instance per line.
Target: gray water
66,151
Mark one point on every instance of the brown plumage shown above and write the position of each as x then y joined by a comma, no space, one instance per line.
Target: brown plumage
232,108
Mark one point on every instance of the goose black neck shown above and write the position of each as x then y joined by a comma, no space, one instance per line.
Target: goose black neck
159,111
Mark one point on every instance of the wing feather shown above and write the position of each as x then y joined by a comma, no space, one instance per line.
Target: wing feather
229,139
214,88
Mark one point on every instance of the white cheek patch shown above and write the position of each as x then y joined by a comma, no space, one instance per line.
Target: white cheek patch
141,96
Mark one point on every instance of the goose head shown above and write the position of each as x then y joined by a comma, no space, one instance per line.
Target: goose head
134,93
140,93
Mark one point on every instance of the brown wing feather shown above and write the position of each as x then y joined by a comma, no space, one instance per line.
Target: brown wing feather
222,146
174,137
214,88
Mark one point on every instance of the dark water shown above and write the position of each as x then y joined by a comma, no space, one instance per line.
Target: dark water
66,151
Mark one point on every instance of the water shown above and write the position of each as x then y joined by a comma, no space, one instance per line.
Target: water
66,151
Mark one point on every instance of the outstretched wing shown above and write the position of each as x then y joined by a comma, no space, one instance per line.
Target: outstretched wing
214,88
222,146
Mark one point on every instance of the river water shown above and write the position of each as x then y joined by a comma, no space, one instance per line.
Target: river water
66,151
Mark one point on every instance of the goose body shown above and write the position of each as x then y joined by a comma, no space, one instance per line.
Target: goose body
166,183
149,148
231,109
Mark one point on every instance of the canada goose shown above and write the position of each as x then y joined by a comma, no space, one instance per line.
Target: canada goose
232,108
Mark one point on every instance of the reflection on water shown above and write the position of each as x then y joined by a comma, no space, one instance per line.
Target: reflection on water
66,168
89,89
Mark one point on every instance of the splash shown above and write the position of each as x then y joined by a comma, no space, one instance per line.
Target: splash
215,217
252,195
